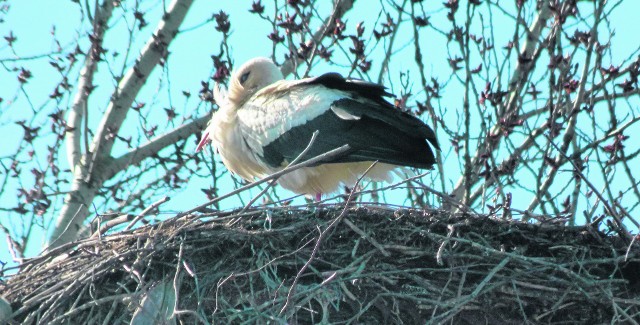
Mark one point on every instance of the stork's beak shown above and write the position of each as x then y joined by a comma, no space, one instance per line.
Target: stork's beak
203,141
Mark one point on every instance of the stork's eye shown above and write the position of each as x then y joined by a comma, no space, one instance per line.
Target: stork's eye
244,77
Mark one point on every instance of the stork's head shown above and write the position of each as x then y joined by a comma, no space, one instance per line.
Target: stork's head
252,76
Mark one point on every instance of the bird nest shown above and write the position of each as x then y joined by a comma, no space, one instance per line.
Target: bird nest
333,265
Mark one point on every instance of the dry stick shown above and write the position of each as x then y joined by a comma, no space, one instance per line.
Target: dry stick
177,282
146,211
476,292
312,161
273,181
371,191
55,252
124,218
233,275
424,187
321,237
626,255
625,314
111,312
364,235
51,244
621,230
446,198
121,297
110,224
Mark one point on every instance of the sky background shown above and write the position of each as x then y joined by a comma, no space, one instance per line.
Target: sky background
33,21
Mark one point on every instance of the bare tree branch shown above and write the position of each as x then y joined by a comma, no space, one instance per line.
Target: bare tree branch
145,151
518,79
569,134
339,9
88,179
85,84
135,78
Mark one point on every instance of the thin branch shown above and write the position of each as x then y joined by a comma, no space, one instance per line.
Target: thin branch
320,239
85,84
128,88
569,133
151,148
340,8
314,136
519,77
310,162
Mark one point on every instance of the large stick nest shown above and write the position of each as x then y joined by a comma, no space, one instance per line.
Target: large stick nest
355,265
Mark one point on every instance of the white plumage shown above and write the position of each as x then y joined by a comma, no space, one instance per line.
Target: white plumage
264,122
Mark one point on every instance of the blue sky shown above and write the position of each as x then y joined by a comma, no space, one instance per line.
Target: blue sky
32,22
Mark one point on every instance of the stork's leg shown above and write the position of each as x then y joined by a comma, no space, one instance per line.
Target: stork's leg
318,197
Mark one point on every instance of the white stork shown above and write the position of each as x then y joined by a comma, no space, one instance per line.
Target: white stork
264,122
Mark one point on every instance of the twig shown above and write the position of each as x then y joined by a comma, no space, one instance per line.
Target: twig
367,237
146,211
621,229
127,217
320,239
273,181
234,275
633,240
310,162
340,8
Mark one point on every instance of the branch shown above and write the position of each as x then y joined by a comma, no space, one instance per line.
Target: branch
513,157
521,73
314,136
570,130
621,230
147,150
85,84
339,9
389,52
102,229
313,161
135,78
88,179
517,80
320,240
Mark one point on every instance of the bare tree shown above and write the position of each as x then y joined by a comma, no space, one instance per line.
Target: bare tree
92,166
90,154
532,109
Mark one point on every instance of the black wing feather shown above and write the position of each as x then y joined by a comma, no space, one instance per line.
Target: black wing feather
377,131
370,139
363,88
383,111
